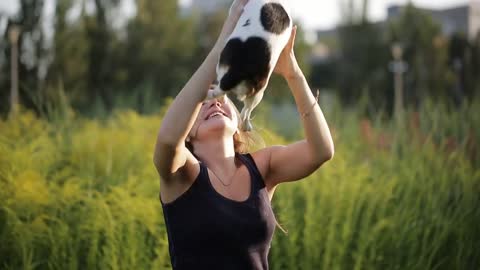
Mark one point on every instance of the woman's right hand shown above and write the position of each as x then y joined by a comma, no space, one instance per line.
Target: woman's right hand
236,11
287,65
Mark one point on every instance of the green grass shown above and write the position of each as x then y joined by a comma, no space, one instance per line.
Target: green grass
79,193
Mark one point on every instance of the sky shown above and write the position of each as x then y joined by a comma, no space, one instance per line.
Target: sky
321,14
318,14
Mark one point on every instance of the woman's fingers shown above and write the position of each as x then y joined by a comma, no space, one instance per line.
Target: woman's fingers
287,61
237,7
291,42
236,11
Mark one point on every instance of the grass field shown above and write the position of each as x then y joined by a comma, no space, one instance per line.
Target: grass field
78,193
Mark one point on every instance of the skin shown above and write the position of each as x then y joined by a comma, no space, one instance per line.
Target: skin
212,138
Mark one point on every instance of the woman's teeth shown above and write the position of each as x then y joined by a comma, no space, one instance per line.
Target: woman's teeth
214,114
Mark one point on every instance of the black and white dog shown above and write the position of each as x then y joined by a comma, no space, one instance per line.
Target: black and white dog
251,53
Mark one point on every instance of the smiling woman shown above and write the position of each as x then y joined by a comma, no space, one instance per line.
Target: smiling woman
242,141
216,196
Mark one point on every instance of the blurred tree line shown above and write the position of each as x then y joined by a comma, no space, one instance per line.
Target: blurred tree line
444,68
100,65
83,51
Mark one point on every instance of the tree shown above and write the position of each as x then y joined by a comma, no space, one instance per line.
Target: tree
160,50
69,67
362,63
426,52
475,66
363,56
100,36
4,70
33,54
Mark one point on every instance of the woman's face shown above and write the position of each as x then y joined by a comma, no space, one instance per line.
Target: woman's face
215,116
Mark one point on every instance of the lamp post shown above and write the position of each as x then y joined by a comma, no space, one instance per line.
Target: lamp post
398,67
458,88
14,34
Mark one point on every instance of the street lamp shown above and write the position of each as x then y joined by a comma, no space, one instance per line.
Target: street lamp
14,34
398,67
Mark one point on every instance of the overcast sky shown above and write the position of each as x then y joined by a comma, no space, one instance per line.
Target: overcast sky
326,14
317,13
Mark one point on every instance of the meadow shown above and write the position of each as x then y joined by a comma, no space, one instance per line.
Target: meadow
82,193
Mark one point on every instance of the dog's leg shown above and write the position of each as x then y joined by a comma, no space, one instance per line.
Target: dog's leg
249,104
245,115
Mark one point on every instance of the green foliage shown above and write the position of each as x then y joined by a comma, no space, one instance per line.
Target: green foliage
439,66
362,65
159,50
32,49
78,193
104,66
425,51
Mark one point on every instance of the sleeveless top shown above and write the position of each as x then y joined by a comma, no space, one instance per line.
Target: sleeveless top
209,231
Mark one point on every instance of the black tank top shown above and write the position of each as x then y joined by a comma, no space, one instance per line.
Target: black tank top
209,231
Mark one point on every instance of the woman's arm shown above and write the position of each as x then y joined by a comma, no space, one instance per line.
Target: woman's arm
298,160
170,153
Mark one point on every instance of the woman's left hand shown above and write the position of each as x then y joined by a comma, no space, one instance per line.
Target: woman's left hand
287,65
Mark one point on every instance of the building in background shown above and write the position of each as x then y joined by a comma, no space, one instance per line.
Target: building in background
460,19
474,18
463,19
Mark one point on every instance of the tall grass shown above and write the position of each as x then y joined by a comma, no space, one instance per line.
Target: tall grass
79,193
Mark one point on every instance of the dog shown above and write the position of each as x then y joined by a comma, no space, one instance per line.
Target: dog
251,53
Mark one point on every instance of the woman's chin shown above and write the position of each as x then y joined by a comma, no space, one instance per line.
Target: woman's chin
218,126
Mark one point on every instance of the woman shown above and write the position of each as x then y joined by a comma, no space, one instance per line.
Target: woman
216,201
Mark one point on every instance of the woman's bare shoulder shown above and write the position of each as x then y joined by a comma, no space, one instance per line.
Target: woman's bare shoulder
262,160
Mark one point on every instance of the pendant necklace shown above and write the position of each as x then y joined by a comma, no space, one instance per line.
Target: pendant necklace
231,177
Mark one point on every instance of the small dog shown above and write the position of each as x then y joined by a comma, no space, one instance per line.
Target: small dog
251,53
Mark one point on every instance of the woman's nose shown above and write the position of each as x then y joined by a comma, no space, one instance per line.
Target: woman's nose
217,103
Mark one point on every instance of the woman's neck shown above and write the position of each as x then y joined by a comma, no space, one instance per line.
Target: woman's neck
218,154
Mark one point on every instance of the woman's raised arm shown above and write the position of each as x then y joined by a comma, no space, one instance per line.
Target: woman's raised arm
298,160
170,153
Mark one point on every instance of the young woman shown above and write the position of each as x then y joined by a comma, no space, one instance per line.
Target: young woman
216,198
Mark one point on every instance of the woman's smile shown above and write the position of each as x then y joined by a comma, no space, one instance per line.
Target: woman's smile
215,111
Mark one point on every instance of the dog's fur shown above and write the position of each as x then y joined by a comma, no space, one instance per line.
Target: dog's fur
251,53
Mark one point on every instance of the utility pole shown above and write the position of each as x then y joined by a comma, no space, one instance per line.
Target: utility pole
459,84
14,34
398,67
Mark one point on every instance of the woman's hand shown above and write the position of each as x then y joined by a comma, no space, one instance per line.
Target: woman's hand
236,11
287,65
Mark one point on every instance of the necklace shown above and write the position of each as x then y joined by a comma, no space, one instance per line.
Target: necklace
219,179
